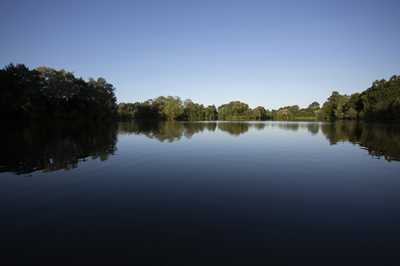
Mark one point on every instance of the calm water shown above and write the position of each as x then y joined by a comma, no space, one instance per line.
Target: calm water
176,193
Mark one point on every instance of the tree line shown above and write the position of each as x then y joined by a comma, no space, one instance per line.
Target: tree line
48,94
173,108
379,102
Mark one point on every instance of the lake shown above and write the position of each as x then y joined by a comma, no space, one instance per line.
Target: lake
200,193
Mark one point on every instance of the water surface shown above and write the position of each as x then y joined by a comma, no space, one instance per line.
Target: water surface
187,193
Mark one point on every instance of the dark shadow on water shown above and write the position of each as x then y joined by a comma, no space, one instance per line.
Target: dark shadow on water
52,146
381,140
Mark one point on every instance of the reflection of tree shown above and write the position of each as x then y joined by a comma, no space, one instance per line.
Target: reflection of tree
313,128
174,130
381,140
28,147
170,130
161,131
287,126
193,128
341,132
166,131
259,126
211,126
234,128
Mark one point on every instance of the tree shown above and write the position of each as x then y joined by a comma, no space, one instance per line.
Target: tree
59,87
45,93
314,106
335,97
396,109
353,106
102,99
259,112
200,111
293,109
340,110
21,93
210,112
173,108
232,109
378,100
283,113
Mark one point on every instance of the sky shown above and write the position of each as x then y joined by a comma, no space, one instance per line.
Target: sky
263,53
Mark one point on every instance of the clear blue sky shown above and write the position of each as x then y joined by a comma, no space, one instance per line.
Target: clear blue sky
263,53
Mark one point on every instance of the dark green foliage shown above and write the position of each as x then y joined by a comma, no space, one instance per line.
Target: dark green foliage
294,112
128,110
48,94
159,108
314,106
258,113
172,108
211,112
396,109
308,112
293,109
378,100
21,93
232,110
381,101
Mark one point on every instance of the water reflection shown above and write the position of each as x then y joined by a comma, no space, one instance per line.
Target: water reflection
381,140
173,131
28,147
313,128
234,129
289,126
165,131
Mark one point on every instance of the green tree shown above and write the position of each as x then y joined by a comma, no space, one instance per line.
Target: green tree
314,106
396,109
189,109
200,111
378,100
231,110
210,112
102,99
259,113
174,107
353,106
59,87
283,114
340,110
293,109
21,91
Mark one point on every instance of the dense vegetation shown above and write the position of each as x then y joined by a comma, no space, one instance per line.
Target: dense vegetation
169,107
172,108
47,94
379,102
